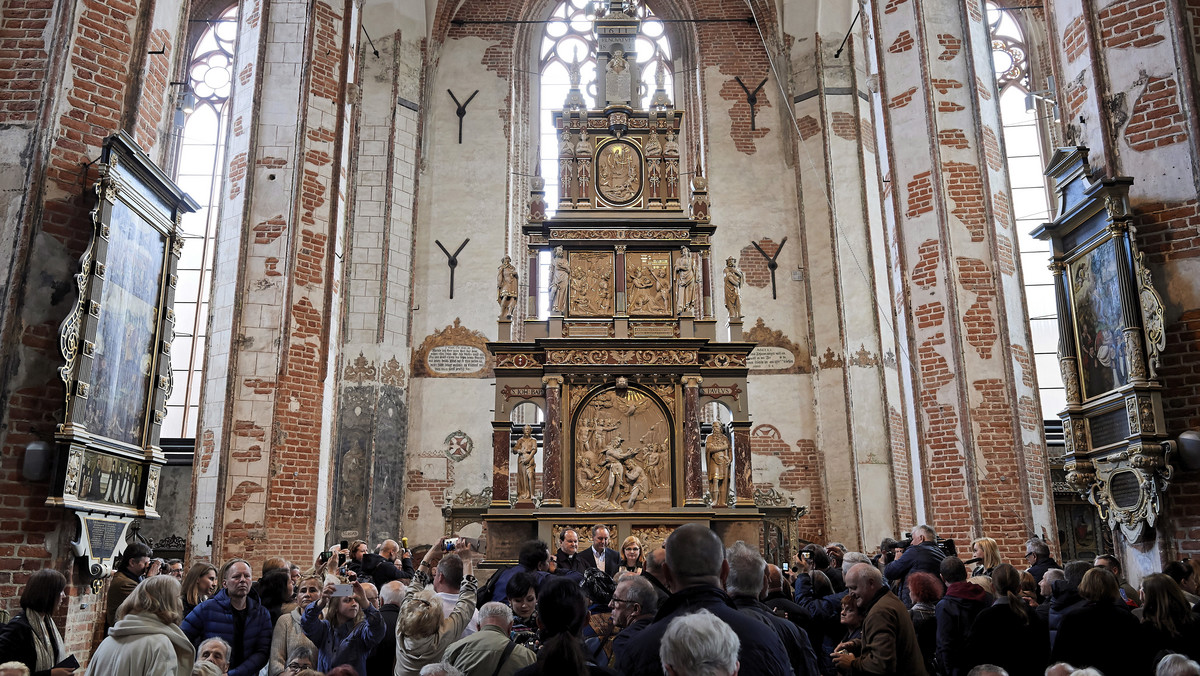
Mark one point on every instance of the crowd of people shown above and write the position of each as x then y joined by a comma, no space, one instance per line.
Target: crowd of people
692,607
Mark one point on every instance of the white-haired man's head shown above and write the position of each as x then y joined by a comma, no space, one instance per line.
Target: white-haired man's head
699,644
498,614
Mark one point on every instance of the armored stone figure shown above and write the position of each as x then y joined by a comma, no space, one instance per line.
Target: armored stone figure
526,451
507,288
719,459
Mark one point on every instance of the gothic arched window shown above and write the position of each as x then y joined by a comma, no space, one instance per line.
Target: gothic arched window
209,77
1022,113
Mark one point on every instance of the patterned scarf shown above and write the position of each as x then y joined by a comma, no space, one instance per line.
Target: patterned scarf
46,640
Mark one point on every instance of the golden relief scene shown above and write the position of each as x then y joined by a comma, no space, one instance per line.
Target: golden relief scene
622,445
648,283
591,284
618,172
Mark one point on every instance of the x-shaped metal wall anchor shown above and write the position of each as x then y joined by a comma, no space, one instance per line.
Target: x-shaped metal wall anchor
452,260
772,261
462,110
751,96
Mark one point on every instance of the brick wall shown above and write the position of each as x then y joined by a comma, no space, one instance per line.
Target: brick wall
1157,118
1132,23
754,265
802,472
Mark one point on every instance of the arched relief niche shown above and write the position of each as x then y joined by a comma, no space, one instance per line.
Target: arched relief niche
622,451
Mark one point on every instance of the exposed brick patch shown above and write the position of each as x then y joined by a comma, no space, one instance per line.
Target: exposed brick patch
901,465
845,125
269,230
979,321
739,116
902,99
902,43
1035,468
954,138
809,127
929,255
935,370
920,195
310,259
991,149
1029,414
1001,209
754,265
237,173
893,5
244,491
974,10
944,85
208,446
152,98
238,129
306,319
1005,260
965,189
930,315
1000,481
868,134
949,107
248,428
1025,361
271,162
271,267
1168,230
326,64
1075,38
951,46
946,470
1076,94
246,73
802,471
982,89
260,385
1157,119
1132,23
1181,405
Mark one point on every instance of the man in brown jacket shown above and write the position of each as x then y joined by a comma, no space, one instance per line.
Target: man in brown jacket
889,642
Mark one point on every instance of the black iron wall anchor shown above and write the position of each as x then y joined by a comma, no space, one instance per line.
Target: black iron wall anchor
751,97
452,260
462,110
772,262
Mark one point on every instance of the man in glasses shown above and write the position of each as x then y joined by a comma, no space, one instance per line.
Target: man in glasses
301,658
1037,555
634,604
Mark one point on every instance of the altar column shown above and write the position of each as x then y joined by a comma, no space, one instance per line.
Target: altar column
552,443
501,432
692,481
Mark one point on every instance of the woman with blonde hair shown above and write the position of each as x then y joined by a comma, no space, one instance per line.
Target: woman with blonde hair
146,640
987,554
348,629
632,559
288,634
199,585
422,632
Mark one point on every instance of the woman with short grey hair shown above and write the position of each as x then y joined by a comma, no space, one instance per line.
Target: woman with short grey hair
699,644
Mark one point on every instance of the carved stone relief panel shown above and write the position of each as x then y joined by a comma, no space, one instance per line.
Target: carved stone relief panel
648,283
591,288
622,448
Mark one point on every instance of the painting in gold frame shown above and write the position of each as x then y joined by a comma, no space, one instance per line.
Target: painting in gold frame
1099,325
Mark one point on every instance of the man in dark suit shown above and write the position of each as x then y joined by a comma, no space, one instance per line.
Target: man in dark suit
568,556
383,655
599,551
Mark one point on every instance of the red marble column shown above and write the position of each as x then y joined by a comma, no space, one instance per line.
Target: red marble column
693,482
500,454
552,443
742,468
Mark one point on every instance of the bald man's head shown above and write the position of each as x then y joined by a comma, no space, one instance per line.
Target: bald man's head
774,578
864,581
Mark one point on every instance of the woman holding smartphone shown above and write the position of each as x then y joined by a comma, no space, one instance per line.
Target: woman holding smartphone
347,630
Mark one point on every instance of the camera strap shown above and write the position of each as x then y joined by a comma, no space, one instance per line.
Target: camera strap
504,658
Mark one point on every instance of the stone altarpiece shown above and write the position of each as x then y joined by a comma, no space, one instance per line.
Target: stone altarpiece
627,366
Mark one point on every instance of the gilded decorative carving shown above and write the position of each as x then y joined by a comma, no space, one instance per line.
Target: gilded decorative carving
522,392
1081,473
520,360
1135,421
622,444
591,287
359,370
723,360
74,466
620,233
1146,414
455,352
1153,320
664,392
766,337
719,460
468,500
652,537
585,357
648,284
618,171
769,497
560,278
152,481
1133,351
1115,207
1080,431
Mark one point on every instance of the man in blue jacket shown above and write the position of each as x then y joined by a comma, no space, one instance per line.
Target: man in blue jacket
236,617
695,572
922,556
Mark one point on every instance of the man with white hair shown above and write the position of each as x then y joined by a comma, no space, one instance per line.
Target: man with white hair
922,556
440,669
489,650
1177,665
889,641
699,644
634,604
383,655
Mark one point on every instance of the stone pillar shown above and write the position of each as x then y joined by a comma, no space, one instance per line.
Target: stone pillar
275,330
552,443
743,471
693,481
959,297
501,452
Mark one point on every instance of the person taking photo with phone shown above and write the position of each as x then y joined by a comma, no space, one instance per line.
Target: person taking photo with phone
347,629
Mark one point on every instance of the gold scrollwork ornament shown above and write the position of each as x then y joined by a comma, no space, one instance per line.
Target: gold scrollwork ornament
1153,320
1070,376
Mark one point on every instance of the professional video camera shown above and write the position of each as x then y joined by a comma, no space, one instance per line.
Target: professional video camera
889,546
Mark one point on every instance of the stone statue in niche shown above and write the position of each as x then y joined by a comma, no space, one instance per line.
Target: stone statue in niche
685,281
617,77
507,288
526,451
719,459
560,276
734,279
